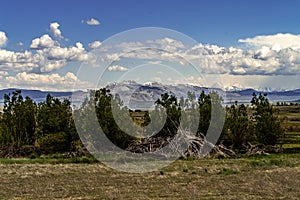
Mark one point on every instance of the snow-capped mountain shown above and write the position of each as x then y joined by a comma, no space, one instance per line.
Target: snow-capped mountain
138,96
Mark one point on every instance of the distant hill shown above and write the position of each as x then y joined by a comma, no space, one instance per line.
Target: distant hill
34,94
38,95
139,95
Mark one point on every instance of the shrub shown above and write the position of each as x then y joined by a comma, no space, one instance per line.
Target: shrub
27,151
54,143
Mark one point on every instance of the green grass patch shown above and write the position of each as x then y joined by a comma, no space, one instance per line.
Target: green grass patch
287,146
270,161
48,160
289,114
291,123
226,171
292,133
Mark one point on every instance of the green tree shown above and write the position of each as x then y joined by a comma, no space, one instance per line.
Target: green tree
173,111
147,119
267,125
55,123
189,119
18,120
29,110
238,126
104,102
204,103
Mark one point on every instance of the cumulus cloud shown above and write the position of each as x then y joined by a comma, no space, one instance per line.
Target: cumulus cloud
277,54
18,61
190,78
264,59
117,68
95,44
72,53
3,38
54,30
277,41
2,74
56,57
45,81
20,44
43,42
46,58
155,62
92,22
168,44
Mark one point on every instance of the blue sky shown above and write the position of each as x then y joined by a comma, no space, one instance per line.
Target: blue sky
221,23
215,22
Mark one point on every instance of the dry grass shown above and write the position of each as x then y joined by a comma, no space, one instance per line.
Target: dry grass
271,177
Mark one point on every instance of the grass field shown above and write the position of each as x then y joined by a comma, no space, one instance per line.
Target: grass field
259,177
290,122
275,176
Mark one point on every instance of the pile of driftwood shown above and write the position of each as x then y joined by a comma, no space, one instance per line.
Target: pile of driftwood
197,146
261,149
8,151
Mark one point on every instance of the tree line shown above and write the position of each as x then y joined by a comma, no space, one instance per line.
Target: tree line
256,124
27,127
48,127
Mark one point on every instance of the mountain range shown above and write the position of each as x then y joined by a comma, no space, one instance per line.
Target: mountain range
39,96
137,95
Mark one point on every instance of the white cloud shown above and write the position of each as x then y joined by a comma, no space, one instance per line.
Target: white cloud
3,38
72,53
190,78
43,42
258,82
18,61
54,30
277,54
157,79
2,74
56,57
95,44
20,44
117,68
277,41
48,57
45,81
262,61
51,65
212,59
167,44
93,22
155,62
183,62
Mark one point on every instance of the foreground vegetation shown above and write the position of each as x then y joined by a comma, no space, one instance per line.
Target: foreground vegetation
40,147
29,129
258,177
